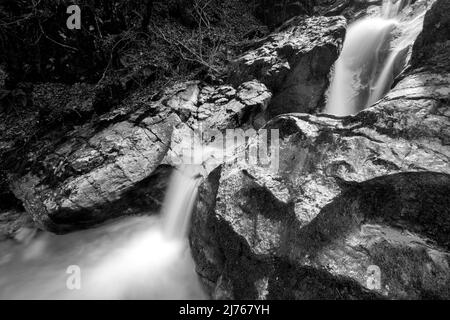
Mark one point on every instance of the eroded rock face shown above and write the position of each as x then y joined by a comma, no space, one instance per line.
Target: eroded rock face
358,209
115,166
294,62
225,107
431,50
348,196
91,174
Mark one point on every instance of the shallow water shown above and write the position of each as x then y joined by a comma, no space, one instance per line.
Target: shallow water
131,258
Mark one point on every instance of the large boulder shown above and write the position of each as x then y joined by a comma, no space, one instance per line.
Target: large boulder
353,195
92,175
359,207
294,62
432,47
117,165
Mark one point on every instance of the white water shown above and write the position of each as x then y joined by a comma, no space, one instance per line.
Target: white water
131,258
371,58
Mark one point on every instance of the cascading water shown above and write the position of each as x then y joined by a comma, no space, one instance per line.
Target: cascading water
148,257
374,52
133,258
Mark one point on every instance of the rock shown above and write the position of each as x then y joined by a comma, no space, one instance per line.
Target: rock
273,13
350,194
359,207
117,164
220,107
16,228
12,222
432,47
98,170
184,102
88,179
228,108
294,62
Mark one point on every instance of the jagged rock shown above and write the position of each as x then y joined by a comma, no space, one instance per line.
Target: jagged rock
431,50
220,107
114,166
294,62
12,221
345,199
97,175
227,108
98,170
359,207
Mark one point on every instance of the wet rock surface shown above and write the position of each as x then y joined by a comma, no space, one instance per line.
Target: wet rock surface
359,207
433,44
114,166
349,195
294,62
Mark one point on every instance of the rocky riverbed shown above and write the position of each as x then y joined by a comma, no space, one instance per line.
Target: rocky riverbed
353,198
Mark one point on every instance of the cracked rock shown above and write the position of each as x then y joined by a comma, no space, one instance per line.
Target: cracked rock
359,207
294,62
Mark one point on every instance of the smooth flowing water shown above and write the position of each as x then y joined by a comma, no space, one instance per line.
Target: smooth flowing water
131,258
375,51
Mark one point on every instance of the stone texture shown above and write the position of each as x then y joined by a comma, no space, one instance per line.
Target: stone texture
353,196
349,194
11,222
225,107
432,48
114,166
294,62
90,178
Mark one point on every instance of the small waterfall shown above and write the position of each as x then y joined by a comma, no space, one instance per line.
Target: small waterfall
371,58
180,200
358,63
132,258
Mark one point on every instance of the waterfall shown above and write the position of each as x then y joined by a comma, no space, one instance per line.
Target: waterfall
180,200
357,65
371,57
132,258
391,8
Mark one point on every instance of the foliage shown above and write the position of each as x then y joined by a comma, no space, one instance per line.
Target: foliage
176,36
